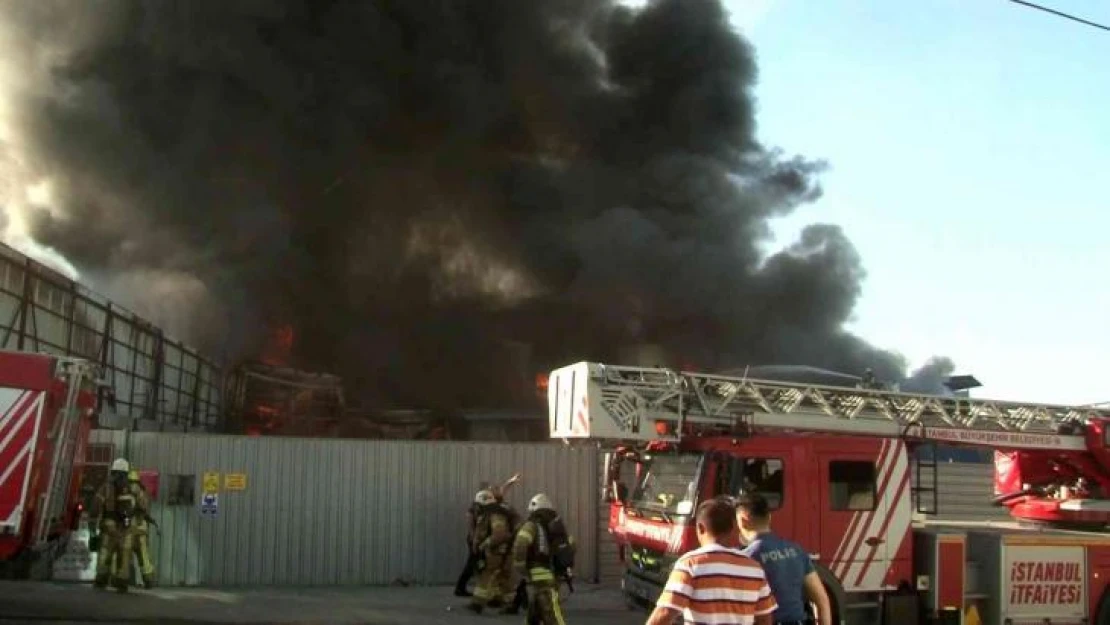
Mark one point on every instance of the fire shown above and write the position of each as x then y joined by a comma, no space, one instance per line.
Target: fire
541,382
279,349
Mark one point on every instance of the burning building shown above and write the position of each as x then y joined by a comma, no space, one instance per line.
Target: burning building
442,199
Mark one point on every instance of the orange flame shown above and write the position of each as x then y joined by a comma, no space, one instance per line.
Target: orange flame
279,348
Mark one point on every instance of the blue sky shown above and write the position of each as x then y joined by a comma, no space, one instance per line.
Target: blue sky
969,145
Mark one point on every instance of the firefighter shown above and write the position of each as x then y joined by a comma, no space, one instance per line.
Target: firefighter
114,508
520,594
141,529
473,557
543,553
492,541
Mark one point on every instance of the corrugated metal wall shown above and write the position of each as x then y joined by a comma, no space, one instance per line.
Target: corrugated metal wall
964,493
342,512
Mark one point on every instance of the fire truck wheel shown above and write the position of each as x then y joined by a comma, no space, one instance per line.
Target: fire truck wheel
633,604
833,589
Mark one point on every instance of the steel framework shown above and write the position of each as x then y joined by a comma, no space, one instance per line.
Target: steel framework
595,400
156,383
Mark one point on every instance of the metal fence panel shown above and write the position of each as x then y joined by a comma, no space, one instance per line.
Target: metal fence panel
965,491
345,512
159,383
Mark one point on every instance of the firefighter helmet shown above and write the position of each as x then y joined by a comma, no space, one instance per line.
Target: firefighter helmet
120,465
540,502
133,475
485,498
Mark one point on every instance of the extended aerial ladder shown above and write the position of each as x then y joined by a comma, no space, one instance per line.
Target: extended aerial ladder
624,404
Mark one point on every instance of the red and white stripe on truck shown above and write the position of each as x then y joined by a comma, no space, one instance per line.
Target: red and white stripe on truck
21,419
46,406
873,551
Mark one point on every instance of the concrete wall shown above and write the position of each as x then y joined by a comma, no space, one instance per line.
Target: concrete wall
342,512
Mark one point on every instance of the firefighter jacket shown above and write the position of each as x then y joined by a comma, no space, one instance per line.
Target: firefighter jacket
142,506
115,504
532,548
493,531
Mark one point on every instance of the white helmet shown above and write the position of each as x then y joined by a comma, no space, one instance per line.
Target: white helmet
119,464
484,498
540,502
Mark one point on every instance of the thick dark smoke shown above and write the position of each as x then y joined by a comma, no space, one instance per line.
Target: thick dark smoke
419,185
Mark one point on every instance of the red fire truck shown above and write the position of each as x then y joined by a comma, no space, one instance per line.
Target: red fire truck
46,409
836,466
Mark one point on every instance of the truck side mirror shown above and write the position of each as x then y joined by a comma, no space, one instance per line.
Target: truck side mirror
621,492
614,489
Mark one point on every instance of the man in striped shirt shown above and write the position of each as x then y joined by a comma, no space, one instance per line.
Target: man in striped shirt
715,584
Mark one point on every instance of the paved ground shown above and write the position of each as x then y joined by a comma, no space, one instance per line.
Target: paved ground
39,602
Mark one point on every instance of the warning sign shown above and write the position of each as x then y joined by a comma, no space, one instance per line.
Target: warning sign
1045,582
235,481
209,505
211,482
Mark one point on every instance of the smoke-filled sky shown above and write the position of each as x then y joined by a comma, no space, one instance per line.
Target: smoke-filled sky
411,184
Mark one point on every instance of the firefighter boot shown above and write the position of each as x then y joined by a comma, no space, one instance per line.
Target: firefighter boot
119,584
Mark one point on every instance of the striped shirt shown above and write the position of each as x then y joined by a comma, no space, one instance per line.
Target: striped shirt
716,585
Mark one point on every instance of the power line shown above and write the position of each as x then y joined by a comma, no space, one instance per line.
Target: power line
1061,14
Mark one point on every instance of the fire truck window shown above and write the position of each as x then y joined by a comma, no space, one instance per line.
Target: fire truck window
180,490
765,477
852,485
667,480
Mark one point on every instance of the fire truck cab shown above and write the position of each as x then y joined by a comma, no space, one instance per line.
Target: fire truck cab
844,499
837,467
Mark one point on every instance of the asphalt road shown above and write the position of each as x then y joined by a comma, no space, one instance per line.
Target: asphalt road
60,603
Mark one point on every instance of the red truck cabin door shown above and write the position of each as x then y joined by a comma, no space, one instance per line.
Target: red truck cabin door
856,526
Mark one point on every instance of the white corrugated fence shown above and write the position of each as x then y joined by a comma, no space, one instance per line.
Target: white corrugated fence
344,512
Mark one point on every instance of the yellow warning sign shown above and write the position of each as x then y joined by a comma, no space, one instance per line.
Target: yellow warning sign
972,616
211,482
235,481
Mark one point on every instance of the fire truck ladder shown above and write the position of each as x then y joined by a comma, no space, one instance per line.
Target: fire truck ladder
64,434
599,401
926,477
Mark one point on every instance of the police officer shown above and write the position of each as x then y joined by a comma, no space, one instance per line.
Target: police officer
789,569
114,508
141,528
542,551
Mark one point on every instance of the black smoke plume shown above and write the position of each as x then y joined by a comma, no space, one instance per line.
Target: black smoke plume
418,185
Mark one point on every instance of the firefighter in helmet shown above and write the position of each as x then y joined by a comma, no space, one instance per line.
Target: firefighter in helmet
472,513
492,540
141,528
543,553
114,507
